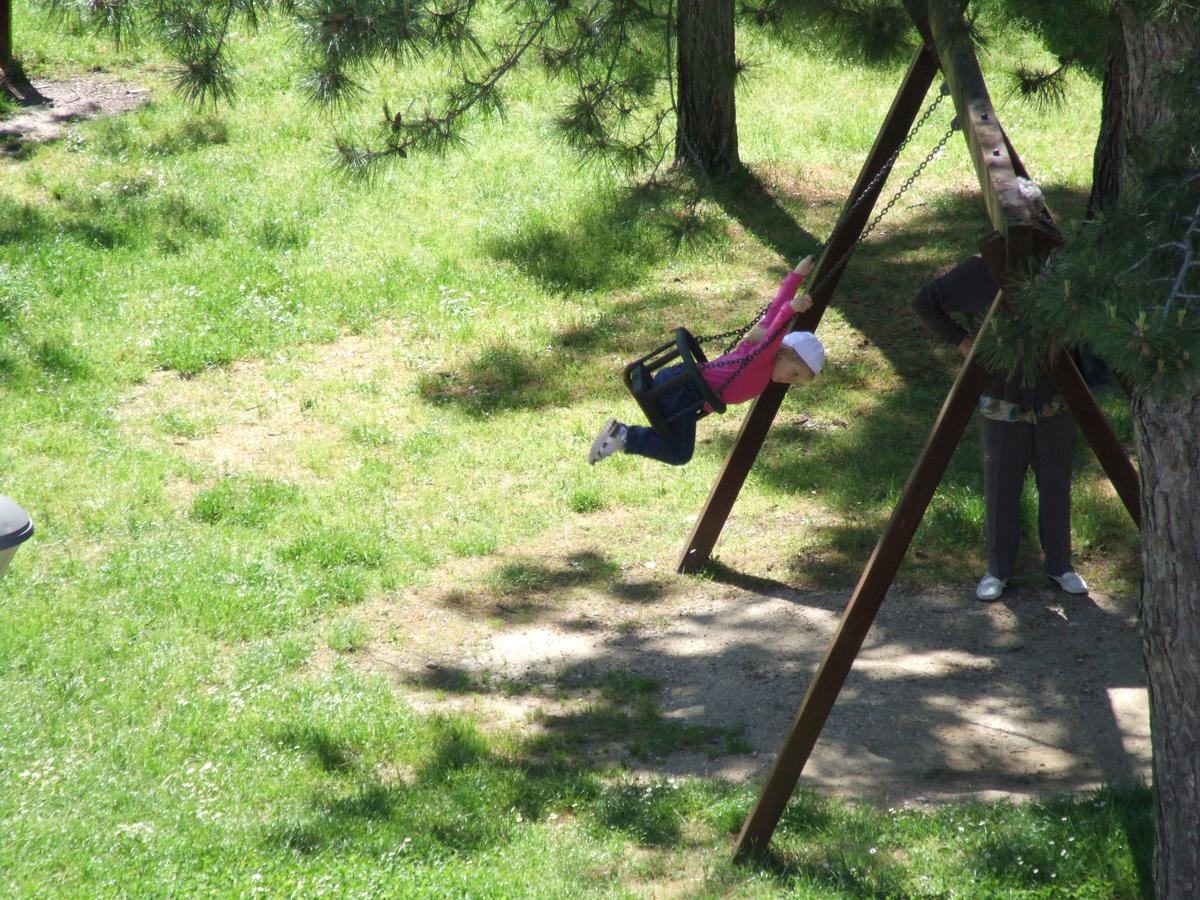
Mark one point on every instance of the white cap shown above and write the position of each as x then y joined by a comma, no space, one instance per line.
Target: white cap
806,345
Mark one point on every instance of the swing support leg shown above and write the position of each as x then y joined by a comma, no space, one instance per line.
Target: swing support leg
1113,459
863,606
845,234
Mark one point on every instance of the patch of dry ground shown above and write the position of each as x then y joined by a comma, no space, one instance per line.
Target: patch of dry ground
249,419
949,697
59,103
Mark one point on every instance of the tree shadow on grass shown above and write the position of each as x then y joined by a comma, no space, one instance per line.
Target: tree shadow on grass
611,242
605,717
762,209
525,590
845,868
331,754
506,378
591,253
811,846
466,791
24,355
502,378
131,214
462,796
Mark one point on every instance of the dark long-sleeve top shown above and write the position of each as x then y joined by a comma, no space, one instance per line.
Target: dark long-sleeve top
968,290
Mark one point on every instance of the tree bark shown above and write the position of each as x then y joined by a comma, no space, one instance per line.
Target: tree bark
1170,460
1139,48
706,120
1135,102
5,34
1110,143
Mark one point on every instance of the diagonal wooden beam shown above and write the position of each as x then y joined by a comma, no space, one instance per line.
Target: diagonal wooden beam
863,606
845,234
1112,456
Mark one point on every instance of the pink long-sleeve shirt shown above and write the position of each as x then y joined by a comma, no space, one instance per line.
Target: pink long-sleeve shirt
753,379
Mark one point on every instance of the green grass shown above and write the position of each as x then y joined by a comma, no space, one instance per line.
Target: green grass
170,281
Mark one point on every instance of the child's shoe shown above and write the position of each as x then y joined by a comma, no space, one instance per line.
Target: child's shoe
610,440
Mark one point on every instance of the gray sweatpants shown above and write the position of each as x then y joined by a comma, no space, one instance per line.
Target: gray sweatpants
1009,448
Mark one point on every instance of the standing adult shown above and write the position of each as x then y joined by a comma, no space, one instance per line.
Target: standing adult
1021,426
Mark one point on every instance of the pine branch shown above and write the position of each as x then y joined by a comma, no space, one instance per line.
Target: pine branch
204,74
115,18
192,31
1188,261
1044,88
436,132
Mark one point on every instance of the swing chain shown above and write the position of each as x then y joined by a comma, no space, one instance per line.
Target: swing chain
908,182
738,333
886,168
844,258
916,173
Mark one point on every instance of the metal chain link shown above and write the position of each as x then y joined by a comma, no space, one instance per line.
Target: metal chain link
738,333
844,258
866,232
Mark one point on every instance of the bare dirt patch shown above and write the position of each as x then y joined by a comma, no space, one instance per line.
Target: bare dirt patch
266,419
950,698
64,102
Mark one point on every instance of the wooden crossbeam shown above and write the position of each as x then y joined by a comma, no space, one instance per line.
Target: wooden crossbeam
986,140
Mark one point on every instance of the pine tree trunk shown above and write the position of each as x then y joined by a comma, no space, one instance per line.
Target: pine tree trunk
1110,143
6,48
1166,428
1169,456
1138,50
706,122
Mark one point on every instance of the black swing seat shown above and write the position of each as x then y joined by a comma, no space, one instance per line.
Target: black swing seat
639,378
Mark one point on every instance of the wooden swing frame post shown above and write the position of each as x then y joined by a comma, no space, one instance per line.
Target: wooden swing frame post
850,225
1018,248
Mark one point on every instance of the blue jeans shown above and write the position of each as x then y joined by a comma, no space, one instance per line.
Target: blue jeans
677,449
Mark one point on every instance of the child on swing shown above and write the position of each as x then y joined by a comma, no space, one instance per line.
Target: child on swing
795,357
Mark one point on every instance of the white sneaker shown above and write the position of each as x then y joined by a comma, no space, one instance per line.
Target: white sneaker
610,440
1070,582
990,588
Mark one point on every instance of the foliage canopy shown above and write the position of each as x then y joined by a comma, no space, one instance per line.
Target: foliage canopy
1127,284
618,57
